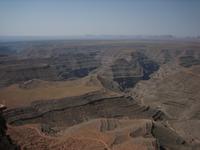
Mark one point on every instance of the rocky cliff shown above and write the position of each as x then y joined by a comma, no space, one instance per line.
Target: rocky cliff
5,141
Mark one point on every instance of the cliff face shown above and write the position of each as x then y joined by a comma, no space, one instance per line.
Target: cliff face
5,141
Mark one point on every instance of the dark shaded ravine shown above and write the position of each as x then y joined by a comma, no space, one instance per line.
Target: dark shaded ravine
128,73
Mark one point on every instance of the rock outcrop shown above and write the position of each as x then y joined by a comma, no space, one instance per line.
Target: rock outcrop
5,141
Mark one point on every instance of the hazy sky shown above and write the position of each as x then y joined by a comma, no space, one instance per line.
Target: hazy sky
100,17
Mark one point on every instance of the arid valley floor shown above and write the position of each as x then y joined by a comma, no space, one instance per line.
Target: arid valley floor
100,95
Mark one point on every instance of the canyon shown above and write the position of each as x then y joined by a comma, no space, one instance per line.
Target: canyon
101,94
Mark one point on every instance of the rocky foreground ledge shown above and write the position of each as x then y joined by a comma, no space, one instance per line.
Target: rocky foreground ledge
5,141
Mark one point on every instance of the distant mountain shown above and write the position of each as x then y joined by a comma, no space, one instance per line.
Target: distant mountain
95,37
85,37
